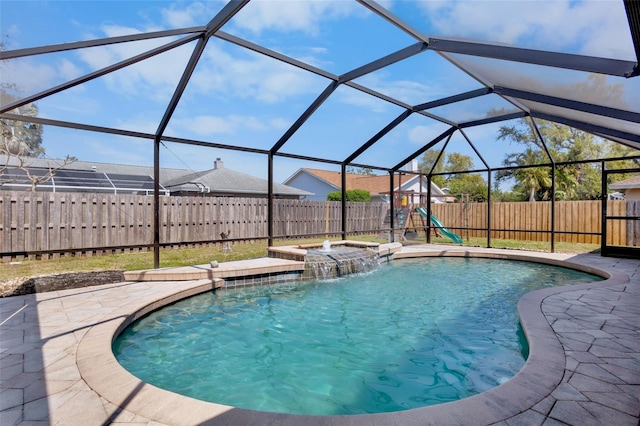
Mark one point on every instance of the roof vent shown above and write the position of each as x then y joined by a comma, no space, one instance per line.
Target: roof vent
218,164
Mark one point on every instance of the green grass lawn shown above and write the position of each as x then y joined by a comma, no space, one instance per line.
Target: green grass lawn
202,255
543,246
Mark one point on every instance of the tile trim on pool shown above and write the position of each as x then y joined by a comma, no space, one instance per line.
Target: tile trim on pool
541,374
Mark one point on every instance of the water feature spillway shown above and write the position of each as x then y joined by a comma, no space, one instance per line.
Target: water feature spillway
338,261
334,259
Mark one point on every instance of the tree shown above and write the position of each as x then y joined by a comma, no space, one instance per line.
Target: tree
19,137
573,181
457,162
359,195
457,183
469,183
428,160
531,182
21,140
616,150
360,171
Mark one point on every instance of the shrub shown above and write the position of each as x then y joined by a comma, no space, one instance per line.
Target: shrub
352,195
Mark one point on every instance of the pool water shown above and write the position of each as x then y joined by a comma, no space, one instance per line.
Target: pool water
410,334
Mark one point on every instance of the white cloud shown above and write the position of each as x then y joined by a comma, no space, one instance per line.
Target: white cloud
251,76
422,134
408,91
360,99
70,105
155,78
208,125
248,76
286,15
121,150
138,124
604,29
178,17
68,70
319,50
279,124
32,75
586,27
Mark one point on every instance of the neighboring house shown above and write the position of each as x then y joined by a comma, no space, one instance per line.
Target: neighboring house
82,176
322,182
629,187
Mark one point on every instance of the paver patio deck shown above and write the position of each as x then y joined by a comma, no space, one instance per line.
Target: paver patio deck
56,365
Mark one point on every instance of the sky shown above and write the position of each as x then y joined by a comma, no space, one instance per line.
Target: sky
238,97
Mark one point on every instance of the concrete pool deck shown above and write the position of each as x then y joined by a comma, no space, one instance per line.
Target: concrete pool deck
57,368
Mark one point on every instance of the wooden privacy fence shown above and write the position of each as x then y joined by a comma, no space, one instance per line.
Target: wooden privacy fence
633,226
520,220
75,222
300,217
32,223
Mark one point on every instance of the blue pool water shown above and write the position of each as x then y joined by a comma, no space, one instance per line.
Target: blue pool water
410,334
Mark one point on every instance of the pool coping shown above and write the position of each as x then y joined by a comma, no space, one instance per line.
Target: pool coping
540,376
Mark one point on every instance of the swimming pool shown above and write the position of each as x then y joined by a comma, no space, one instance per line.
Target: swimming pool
411,334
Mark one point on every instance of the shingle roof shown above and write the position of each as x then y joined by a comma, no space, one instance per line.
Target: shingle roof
630,183
372,184
225,180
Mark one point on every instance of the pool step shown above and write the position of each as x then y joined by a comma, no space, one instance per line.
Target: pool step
238,268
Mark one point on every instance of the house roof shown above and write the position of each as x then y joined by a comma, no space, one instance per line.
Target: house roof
373,184
225,180
217,180
630,183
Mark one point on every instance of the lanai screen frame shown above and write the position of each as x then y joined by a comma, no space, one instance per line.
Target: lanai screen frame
446,47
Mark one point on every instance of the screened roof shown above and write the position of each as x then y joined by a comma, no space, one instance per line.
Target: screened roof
77,181
400,74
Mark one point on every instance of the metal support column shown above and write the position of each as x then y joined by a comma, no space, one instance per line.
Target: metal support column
489,208
553,184
553,207
156,202
603,207
428,229
270,200
391,208
343,199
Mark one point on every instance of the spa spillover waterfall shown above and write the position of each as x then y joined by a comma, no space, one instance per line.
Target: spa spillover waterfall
336,261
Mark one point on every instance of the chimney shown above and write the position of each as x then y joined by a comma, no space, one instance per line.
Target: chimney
411,166
218,164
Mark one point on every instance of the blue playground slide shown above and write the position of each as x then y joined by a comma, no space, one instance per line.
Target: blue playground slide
453,237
